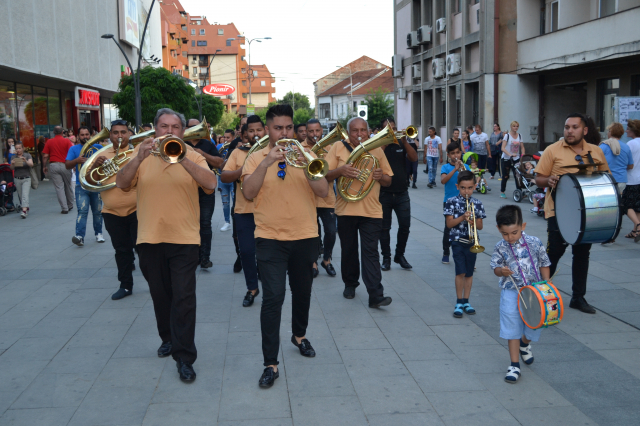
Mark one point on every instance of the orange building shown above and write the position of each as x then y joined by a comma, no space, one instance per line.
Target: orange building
173,24
262,89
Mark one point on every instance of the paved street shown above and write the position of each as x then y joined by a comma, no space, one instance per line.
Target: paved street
69,355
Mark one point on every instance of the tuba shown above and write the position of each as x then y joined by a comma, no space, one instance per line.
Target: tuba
337,134
168,147
365,163
87,149
314,168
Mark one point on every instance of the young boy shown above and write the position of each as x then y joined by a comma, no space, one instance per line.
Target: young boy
449,178
460,221
519,259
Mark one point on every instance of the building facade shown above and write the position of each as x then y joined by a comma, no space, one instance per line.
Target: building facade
262,88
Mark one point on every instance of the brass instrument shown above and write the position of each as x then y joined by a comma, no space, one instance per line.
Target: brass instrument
366,164
337,134
262,143
410,132
87,149
224,149
168,147
473,237
315,168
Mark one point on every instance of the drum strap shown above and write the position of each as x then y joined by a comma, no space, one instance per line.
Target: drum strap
524,279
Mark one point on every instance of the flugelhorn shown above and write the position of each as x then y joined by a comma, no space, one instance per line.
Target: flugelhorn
314,168
411,132
337,134
366,163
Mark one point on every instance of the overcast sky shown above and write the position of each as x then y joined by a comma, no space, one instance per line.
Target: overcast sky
310,38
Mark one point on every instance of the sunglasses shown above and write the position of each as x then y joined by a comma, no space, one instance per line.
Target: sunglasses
282,172
579,159
119,123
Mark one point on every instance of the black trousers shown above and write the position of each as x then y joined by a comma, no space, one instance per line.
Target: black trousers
369,229
207,205
123,231
412,170
328,217
401,204
446,244
246,228
493,163
556,247
507,166
275,259
234,232
170,270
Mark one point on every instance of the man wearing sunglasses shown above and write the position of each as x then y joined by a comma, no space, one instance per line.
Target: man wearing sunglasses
286,237
573,150
119,212
169,235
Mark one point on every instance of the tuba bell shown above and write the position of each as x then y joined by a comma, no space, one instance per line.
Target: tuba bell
87,149
365,163
337,134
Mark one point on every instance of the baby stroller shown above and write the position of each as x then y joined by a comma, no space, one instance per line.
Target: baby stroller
7,188
525,179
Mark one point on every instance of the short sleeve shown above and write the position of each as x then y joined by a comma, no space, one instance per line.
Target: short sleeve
444,169
448,208
545,165
497,261
604,167
134,181
543,257
46,149
332,157
72,155
480,212
202,162
252,164
384,165
232,163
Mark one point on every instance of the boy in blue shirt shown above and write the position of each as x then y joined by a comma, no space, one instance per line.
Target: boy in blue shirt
519,260
460,221
449,178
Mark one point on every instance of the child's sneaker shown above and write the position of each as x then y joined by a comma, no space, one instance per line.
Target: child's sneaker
513,374
526,354
457,312
445,259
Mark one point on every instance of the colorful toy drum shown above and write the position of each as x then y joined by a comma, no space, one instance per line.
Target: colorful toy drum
540,305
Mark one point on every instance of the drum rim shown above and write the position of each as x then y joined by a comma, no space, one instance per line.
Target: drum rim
541,300
542,310
619,195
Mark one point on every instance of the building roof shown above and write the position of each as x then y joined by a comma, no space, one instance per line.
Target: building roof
365,60
363,81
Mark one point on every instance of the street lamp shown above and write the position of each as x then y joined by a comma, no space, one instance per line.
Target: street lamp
209,74
250,70
293,94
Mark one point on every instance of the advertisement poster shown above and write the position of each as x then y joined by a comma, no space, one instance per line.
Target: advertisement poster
627,108
129,22
146,47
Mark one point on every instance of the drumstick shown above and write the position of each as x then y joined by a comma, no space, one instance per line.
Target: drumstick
519,294
554,274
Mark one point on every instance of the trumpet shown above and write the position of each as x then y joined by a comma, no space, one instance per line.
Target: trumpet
170,148
473,236
411,132
315,168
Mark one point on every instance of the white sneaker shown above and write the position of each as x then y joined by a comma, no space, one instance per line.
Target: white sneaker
99,238
225,227
513,374
526,354
45,180
23,215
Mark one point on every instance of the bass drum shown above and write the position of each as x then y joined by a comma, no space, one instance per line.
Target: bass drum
587,208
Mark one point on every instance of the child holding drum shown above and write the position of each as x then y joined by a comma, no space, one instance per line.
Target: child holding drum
519,260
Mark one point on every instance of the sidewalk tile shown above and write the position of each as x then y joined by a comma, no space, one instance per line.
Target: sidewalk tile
443,376
38,416
552,415
56,390
429,418
530,391
185,413
470,408
322,411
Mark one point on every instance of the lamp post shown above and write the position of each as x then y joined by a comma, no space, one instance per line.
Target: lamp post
136,73
258,39
293,94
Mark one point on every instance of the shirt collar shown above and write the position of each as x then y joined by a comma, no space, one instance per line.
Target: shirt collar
520,242
587,146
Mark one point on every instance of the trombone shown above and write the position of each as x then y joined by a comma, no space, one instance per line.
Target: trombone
473,237
315,168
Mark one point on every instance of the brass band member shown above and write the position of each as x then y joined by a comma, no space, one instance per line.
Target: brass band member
243,209
214,160
169,237
363,217
301,133
286,237
325,208
119,213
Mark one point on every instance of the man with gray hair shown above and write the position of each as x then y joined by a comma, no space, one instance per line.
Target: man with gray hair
363,217
54,156
169,235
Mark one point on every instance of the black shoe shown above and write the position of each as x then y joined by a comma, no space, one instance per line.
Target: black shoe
581,304
237,267
386,263
376,302
305,347
315,272
329,269
186,371
414,186
249,298
121,294
349,292
204,264
430,185
402,262
165,349
268,377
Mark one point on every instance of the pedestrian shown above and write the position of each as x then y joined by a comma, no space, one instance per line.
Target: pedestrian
10,149
41,142
72,137
519,260
465,142
54,156
412,165
631,194
434,154
21,164
480,144
449,178
512,149
226,189
455,138
84,198
493,162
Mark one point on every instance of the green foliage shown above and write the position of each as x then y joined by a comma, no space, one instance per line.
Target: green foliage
301,115
348,116
158,89
212,108
229,120
380,106
301,101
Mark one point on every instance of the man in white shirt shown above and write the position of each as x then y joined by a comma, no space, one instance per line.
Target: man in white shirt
432,146
480,145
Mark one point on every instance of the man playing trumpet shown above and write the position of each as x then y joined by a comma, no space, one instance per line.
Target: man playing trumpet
169,235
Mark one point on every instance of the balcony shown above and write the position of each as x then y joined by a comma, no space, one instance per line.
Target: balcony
203,63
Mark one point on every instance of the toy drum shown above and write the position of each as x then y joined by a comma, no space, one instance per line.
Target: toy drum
540,305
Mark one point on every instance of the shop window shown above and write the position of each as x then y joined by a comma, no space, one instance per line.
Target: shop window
8,127
55,116
608,91
25,115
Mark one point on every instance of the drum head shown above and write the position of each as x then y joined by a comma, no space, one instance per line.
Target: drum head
569,205
530,310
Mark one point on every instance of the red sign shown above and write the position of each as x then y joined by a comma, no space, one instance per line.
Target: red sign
87,97
219,89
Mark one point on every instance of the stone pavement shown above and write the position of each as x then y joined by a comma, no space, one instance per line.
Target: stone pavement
69,355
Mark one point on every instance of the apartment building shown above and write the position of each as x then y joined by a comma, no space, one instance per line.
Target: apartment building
262,88
173,22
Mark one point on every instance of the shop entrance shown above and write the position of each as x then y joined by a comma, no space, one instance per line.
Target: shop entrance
85,118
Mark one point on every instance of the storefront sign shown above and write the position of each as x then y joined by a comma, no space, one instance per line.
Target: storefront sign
87,98
251,109
219,89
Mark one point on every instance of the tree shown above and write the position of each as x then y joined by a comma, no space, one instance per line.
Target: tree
158,89
380,106
345,119
301,115
212,108
229,120
301,101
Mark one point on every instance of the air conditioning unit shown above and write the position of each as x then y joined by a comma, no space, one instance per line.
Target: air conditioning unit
416,71
453,64
424,34
231,97
412,39
441,25
402,93
396,65
437,66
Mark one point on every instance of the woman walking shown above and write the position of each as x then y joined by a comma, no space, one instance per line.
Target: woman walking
495,139
512,149
21,164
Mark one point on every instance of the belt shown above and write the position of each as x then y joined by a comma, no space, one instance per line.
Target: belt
28,177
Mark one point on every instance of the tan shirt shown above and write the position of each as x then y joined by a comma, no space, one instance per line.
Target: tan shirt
329,201
236,161
116,201
370,206
168,205
560,154
284,209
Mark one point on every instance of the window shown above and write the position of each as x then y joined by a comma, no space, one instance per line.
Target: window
193,43
554,17
355,105
194,71
244,82
263,83
244,95
608,90
635,85
184,28
228,42
193,32
221,31
198,22
255,73
242,58
184,54
203,70
202,42
243,70
608,7
202,31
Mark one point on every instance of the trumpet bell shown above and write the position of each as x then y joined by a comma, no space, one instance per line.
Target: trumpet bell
170,148
476,248
411,132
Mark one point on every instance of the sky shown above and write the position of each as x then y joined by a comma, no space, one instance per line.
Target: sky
310,38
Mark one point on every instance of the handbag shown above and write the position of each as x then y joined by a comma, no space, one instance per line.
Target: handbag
34,178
